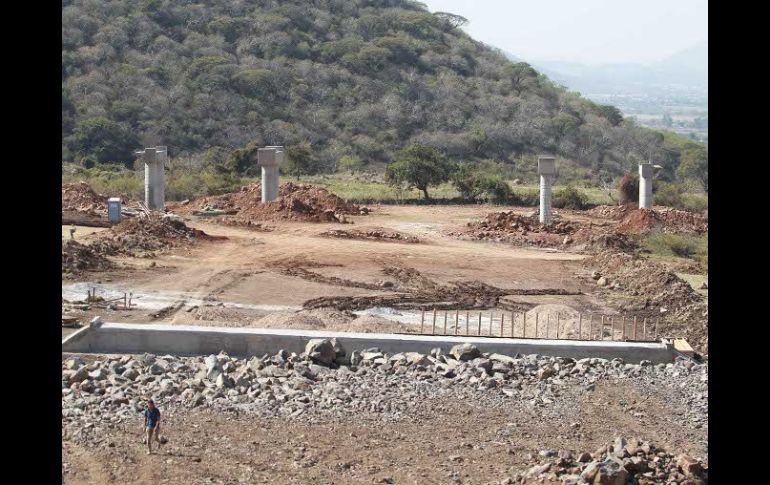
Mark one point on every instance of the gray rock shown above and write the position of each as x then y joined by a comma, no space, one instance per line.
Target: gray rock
80,375
465,352
321,351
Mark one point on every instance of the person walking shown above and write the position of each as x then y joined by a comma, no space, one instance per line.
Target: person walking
151,424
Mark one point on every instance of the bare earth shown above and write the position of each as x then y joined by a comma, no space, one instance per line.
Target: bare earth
441,442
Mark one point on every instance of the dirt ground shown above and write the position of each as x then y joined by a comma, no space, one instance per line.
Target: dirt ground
255,278
459,442
248,267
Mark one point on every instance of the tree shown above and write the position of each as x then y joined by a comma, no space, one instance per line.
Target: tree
102,140
613,114
694,164
451,19
418,166
521,75
300,160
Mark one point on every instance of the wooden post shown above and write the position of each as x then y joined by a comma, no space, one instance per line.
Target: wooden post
125,301
601,333
130,297
457,320
644,328
537,318
467,321
524,314
657,335
479,323
623,334
491,322
502,322
445,322
513,323
558,324
580,326
634,328
612,328
591,326
433,330
422,321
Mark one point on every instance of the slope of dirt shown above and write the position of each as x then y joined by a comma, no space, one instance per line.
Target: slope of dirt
77,258
297,202
653,290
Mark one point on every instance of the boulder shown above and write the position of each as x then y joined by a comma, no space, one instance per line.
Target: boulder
321,351
465,352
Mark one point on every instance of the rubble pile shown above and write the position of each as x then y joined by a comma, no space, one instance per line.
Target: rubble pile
371,235
327,379
77,258
79,196
145,235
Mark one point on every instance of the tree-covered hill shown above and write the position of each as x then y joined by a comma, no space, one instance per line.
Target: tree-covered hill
351,78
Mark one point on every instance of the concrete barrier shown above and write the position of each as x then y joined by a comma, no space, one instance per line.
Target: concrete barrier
131,338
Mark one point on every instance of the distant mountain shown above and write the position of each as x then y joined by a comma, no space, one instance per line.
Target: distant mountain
685,70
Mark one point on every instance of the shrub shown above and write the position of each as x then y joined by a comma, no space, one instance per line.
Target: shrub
669,195
495,188
570,198
683,246
629,189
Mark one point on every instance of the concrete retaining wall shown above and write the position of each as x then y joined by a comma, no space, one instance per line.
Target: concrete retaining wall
130,338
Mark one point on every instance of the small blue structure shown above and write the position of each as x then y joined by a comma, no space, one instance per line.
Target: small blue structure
113,209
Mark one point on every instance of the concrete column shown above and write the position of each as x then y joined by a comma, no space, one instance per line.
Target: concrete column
270,158
154,174
645,186
546,168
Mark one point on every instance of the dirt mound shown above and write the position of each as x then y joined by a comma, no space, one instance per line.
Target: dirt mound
517,229
371,235
642,221
77,258
79,196
297,202
331,320
142,235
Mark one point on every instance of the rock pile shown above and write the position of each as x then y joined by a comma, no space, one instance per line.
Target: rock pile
620,462
330,380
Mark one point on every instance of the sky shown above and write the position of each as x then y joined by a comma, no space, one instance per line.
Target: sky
586,31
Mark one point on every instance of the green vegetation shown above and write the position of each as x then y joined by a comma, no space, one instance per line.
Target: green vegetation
678,246
338,78
570,197
418,166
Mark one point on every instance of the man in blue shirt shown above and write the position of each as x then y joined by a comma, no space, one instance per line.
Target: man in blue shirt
151,424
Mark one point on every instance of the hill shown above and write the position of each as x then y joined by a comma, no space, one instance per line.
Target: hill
355,78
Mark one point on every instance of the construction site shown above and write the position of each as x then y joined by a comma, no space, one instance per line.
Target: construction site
290,336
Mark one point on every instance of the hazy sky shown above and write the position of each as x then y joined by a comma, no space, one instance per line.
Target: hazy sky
588,31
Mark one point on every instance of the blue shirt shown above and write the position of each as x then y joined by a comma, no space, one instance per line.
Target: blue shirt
152,415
